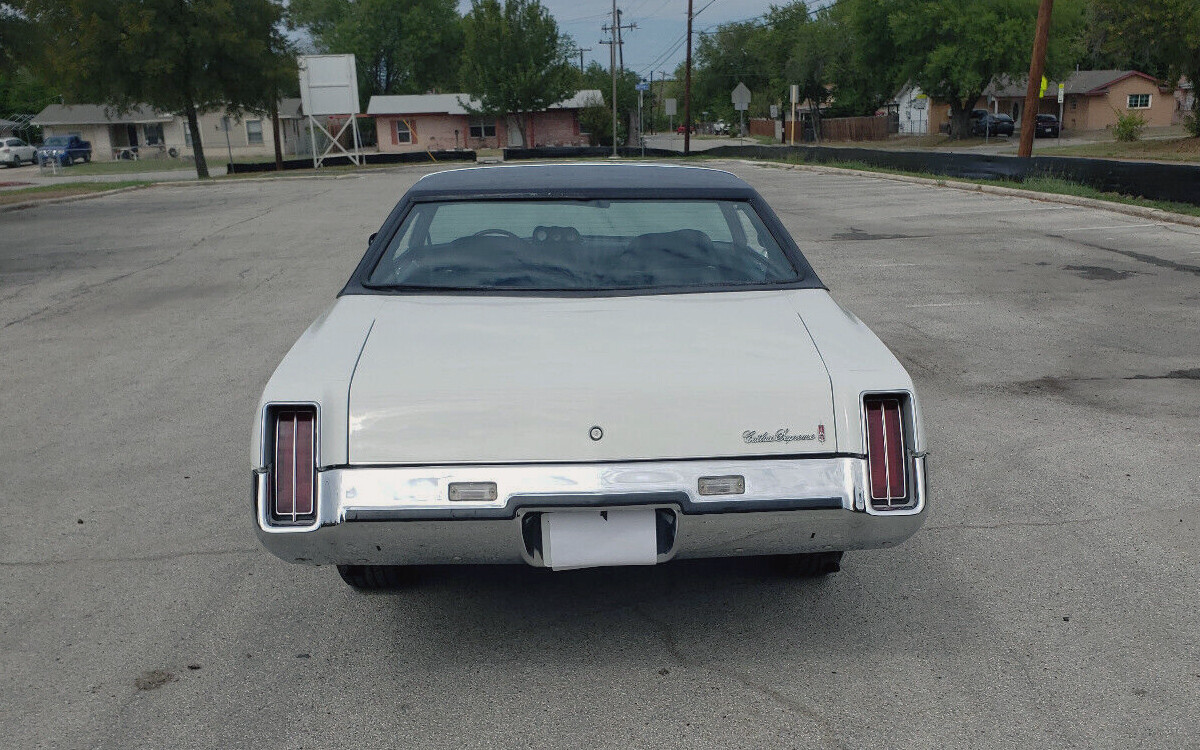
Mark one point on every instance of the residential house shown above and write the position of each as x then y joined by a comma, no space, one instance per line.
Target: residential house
148,133
442,122
1093,99
913,109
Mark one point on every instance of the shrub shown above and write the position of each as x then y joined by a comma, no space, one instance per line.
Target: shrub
1191,123
1129,126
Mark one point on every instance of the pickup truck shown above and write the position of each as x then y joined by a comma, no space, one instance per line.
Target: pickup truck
64,149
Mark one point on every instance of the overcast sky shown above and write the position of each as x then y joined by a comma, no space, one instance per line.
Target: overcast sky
657,42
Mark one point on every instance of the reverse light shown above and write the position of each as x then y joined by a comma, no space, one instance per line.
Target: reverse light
293,497
886,451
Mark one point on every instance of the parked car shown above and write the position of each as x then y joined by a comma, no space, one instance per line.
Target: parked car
993,125
64,149
571,366
1046,126
681,129
13,151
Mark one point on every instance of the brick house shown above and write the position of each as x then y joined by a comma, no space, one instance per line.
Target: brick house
442,122
1093,99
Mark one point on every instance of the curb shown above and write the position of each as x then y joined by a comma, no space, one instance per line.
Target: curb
1143,212
33,203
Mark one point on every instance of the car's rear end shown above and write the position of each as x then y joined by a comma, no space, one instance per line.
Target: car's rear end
422,421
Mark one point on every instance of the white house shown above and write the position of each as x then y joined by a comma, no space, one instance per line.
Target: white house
913,107
150,133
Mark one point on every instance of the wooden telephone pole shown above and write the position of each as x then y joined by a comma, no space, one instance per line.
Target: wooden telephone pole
1033,93
687,89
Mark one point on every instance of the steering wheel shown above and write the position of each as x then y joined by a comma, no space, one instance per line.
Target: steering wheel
495,233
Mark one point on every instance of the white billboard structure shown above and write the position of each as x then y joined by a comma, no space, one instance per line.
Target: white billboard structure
329,86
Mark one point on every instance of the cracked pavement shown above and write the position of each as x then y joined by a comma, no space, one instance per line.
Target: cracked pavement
1049,602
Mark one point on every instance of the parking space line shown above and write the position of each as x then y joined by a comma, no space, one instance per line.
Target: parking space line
1119,226
947,304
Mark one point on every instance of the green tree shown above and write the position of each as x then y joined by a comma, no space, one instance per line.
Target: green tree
596,76
1159,37
730,54
953,49
399,46
864,72
515,61
813,64
180,56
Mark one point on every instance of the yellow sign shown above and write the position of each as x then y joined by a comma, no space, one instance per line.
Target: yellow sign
1042,91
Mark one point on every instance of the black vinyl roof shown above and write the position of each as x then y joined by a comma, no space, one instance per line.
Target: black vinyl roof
578,179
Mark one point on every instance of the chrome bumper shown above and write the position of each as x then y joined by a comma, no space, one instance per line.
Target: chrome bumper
402,515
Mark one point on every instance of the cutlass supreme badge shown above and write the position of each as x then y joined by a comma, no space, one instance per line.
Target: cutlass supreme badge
782,435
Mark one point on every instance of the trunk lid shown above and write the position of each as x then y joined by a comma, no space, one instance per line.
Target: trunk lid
462,379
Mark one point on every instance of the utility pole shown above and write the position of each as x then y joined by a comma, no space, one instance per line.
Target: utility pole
581,51
612,65
652,108
614,42
1033,92
687,89
620,43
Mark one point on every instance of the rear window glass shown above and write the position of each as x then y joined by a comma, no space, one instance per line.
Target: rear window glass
581,245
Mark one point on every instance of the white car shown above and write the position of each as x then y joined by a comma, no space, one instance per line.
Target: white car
13,151
570,366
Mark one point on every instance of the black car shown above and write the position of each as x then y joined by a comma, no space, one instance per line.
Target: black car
992,125
1046,126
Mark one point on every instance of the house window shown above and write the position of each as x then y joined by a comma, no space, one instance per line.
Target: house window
1139,101
403,132
483,129
254,131
154,133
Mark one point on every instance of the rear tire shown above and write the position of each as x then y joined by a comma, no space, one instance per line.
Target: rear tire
810,565
376,577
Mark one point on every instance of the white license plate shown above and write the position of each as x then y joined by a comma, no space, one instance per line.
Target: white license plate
595,538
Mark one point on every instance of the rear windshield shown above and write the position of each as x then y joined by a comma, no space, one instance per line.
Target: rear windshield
581,245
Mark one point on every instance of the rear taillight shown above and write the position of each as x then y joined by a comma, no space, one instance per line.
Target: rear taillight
293,499
886,451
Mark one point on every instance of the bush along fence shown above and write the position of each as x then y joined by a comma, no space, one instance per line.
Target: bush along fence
413,157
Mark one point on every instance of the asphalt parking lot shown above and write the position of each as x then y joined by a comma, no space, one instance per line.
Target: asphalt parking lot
1050,600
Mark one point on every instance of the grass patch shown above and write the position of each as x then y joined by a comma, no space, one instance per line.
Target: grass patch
128,167
65,190
1164,149
1053,185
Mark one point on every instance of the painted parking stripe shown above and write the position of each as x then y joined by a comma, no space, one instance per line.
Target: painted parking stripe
947,304
1119,226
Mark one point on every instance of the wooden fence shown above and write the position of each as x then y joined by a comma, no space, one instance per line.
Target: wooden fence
854,129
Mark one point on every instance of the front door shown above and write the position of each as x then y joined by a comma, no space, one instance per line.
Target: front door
132,134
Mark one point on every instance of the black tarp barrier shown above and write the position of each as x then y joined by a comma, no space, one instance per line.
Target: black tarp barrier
410,157
1168,182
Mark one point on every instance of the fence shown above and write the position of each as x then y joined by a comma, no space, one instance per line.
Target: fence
854,128
762,126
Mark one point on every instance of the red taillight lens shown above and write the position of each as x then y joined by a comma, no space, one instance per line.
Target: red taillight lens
294,467
886,450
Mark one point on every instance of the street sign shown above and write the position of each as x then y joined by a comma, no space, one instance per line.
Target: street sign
1061,92
643,86
670,105
795,93
774,111
741,97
